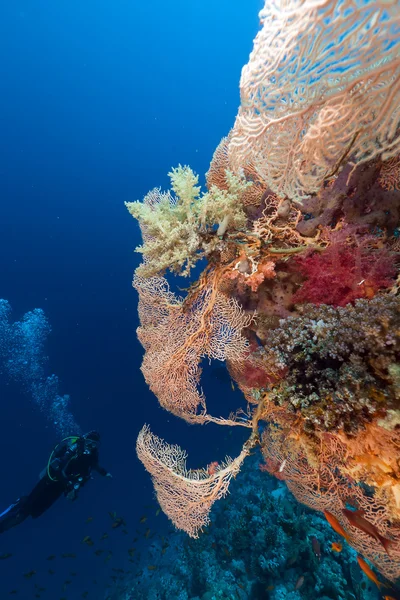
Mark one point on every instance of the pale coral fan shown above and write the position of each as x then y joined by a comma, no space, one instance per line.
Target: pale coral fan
176,337
220,166
185,496
216,174
389,177
322,85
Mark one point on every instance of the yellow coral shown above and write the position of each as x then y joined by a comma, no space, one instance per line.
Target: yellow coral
178,230
391,420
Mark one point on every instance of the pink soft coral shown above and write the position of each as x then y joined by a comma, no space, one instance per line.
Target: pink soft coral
246,275
265,270
341,273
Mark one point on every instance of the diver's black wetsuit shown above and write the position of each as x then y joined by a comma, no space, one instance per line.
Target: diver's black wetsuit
69,470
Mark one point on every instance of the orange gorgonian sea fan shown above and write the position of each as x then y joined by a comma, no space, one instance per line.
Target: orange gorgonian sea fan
185,496
330,476
177,337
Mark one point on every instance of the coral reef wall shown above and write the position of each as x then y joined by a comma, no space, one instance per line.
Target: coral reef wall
300,295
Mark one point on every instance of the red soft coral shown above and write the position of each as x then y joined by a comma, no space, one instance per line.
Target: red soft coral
254,371
341,273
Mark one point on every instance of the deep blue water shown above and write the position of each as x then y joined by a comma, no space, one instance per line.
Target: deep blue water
98,101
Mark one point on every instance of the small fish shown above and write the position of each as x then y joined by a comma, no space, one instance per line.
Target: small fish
4,556
226,551
85,594
73,574
282,466
337,547
14,592
88,540
51,572
213,468
143,519
104,536
89,519
131,551
68,555
98,552
316,546
356,518
369,572
152,567
51,557
299,583
118,522
270,588
125,531
147,533
334,523
158,511
388,598
29,574
113,515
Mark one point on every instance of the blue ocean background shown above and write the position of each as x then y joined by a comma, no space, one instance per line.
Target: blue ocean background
98,101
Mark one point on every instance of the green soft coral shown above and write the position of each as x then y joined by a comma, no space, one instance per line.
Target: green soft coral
224,207
179,230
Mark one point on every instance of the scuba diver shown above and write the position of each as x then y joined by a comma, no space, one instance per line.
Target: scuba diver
69,468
